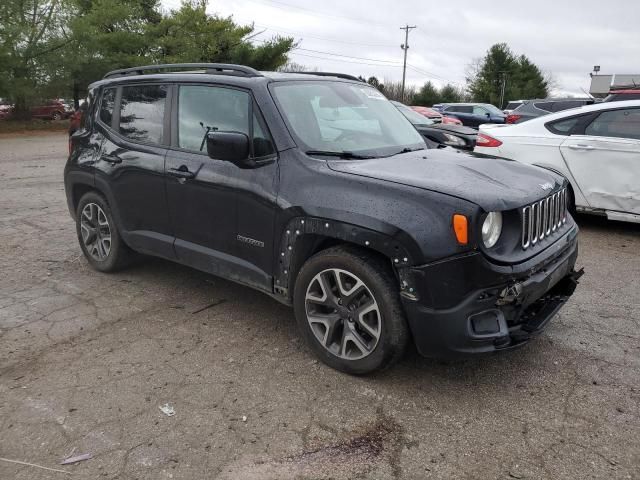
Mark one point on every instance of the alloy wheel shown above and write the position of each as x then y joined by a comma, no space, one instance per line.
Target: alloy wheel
343,314
96,232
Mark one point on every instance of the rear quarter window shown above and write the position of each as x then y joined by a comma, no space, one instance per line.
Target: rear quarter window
107,105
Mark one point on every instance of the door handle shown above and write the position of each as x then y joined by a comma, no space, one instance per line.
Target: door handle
113,159
181,172
581,147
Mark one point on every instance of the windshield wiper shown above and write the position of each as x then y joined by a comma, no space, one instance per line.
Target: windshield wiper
407,150
349,155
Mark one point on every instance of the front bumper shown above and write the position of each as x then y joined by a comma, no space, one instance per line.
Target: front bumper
467,305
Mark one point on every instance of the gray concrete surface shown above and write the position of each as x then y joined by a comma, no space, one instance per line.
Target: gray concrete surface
87,359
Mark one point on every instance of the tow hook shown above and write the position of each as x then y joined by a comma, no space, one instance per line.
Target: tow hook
510,294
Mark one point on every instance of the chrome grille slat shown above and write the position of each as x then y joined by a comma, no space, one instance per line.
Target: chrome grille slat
543,218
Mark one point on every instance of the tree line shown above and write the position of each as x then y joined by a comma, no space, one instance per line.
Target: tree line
498,77
56,48
51,48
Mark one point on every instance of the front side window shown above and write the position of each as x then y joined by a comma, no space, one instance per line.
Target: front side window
107,105
616,123
202,109
413,116
142,113
344,117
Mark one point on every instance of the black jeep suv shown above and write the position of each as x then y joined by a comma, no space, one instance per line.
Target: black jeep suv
316,190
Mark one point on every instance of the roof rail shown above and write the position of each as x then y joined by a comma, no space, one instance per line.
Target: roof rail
210,68
329,74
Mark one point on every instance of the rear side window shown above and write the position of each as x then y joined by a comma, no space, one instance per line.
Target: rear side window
567,125
566,105
107,105
142,113
616,123
546,106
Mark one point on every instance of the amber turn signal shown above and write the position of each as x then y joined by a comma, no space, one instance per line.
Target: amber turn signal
461,228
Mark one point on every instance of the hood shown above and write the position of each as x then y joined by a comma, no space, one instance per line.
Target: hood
493,184
458,129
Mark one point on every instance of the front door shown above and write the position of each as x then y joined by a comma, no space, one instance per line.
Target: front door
222,215
605,160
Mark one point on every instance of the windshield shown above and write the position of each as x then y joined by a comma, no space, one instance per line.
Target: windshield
413,116
344,117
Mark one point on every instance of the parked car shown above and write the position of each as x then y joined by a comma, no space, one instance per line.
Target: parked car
511,106
314,189
439,134
537,108
6,109
631,92
436,116
474,114
596,147
51,110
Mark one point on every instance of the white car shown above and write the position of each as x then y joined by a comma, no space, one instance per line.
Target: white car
596,147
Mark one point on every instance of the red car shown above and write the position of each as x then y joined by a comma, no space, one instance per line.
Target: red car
437,116
51,109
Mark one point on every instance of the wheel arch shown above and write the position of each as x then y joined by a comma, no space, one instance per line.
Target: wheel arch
304,236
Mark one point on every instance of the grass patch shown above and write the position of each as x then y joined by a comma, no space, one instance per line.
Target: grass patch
25,126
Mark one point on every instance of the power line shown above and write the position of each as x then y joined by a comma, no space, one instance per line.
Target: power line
281,30
288,6
349,56
343,60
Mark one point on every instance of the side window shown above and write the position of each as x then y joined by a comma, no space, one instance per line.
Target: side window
107,104
142,113
616,123
202,108
565,126
465,109
262,145
546,106
566,105
479,111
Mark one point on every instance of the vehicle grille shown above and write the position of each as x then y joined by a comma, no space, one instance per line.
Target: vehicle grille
541,219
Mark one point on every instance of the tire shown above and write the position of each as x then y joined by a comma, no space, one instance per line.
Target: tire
94,223
359,326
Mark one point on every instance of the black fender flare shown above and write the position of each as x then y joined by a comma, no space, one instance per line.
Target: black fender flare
391,242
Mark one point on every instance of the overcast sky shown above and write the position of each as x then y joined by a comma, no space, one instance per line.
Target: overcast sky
565,38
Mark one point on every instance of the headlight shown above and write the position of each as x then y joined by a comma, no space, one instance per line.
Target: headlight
453,141
491,229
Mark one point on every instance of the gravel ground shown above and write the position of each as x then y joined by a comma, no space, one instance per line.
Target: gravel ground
87,359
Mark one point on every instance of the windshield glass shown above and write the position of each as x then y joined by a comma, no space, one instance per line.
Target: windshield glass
340,116
413,116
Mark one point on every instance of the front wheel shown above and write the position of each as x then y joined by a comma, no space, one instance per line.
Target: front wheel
348,308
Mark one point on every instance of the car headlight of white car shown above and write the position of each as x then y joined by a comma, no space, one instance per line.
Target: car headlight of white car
491,229
453,141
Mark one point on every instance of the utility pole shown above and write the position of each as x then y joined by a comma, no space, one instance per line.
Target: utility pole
504,86
405,47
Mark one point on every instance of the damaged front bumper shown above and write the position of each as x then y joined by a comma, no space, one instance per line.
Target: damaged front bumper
468,305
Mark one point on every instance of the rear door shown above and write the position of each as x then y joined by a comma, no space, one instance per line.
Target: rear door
604,159
130,166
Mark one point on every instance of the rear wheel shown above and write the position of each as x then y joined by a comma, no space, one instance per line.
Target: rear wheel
347,306
98,234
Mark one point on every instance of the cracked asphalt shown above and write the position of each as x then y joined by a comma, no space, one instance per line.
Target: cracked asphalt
87,359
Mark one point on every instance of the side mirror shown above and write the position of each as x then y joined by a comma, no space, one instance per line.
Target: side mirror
488,115
230,146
